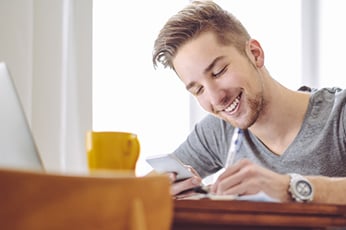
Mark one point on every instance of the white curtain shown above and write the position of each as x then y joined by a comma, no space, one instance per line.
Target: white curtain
48,47
61,106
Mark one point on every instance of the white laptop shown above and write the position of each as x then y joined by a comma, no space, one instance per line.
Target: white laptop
17,146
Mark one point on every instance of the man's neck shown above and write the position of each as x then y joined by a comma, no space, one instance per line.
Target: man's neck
284,114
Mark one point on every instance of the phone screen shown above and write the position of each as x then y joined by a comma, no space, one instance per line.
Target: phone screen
169,163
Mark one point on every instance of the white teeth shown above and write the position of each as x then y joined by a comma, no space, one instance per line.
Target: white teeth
233,105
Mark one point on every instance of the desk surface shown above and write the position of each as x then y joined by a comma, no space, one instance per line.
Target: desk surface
216,214
102,201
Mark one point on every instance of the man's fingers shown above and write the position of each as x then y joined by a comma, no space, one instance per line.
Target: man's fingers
181,186
172,176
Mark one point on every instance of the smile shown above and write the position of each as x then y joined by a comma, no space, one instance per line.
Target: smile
231,108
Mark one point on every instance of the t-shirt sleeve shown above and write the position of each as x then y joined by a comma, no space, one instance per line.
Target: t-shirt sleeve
205,149
343,114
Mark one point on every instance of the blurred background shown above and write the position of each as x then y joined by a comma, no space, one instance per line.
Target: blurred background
83,64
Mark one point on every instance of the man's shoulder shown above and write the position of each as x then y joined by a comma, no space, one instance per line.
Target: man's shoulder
328,93
211,124
211,120
328,102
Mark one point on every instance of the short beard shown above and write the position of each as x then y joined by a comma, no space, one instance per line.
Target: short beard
257,107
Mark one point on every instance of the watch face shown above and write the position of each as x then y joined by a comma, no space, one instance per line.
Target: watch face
303,188
300,188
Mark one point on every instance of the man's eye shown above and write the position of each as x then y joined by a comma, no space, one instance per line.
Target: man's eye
197,91
219,73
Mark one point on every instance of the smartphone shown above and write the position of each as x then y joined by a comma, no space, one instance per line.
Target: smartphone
169,163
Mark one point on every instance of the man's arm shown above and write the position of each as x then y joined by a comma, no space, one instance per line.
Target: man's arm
329,190
245,177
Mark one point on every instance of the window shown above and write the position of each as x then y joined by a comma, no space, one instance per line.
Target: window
332,46
128,93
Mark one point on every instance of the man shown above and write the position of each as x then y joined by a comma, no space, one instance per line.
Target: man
283,131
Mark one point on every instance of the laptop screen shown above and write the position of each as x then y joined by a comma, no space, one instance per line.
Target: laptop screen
17,146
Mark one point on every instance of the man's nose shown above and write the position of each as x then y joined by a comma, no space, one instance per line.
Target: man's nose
215,95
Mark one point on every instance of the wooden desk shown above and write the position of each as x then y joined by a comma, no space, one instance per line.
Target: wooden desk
214,215
106,201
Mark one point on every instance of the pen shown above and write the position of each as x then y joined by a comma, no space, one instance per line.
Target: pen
204,189
232,151
234,146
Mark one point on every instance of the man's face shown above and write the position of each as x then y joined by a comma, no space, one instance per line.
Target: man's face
225,82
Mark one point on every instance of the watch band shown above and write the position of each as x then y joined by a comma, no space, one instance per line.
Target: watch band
300,188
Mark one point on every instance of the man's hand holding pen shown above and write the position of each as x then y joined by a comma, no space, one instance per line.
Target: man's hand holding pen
246,178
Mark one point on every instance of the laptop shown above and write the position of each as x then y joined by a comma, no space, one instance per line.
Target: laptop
17,146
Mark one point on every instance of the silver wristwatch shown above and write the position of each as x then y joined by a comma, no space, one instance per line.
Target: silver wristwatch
300,188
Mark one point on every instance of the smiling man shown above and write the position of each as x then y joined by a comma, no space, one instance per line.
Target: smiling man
293,143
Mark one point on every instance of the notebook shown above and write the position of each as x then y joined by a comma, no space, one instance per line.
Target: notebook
17,146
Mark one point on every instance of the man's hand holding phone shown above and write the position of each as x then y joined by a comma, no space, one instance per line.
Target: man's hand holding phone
186,187
183,177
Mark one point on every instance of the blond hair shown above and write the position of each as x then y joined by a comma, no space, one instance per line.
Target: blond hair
194,19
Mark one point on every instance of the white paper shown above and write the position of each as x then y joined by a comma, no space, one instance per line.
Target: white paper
259,197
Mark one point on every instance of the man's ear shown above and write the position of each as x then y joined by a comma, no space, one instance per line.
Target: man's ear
255,52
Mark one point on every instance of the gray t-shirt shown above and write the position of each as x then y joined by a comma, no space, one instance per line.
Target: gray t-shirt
318,149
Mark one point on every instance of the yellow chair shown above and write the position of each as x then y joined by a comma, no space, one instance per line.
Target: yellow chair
33,201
